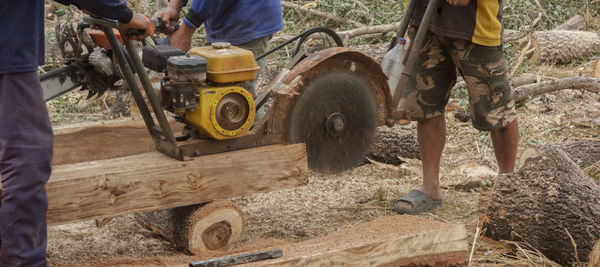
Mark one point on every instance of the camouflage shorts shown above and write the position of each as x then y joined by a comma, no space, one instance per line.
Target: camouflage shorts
483,69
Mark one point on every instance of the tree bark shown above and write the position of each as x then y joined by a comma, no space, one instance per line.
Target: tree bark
548,197
394,143
563,46
200,229
583,152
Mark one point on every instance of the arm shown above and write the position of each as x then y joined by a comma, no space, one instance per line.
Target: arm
171,13
118,10
200,10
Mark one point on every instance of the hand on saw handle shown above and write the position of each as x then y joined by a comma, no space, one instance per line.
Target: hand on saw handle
138,28
182,37
170,15
458,2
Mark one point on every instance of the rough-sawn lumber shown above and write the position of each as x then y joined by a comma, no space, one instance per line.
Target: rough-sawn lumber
400,240
151,181
102,140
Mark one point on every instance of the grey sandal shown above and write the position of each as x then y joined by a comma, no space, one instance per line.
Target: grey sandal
420,202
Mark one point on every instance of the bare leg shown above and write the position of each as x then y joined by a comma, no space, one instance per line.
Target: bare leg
431,135
505,142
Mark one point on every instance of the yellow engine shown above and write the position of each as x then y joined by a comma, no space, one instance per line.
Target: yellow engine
206,88
223,112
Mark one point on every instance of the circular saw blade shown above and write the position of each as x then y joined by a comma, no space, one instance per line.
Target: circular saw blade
336,116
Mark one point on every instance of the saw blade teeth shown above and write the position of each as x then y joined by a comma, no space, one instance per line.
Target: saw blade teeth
100,93
90,94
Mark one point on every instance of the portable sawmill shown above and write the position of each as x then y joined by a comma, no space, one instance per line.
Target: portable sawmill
323,109
331,100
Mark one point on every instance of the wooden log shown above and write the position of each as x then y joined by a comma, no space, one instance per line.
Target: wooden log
399,240
202,229
563,46
394,143
548,200
152,181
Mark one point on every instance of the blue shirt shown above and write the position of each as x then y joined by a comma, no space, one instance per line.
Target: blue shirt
22,29
235,21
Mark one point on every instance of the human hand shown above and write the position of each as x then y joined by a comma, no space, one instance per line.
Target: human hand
182,37
139,27
171,13
458,2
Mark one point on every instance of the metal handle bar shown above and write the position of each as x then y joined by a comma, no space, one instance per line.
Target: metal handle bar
163,137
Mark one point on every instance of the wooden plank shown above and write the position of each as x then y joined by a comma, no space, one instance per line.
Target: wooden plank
399,240
102,140
152,181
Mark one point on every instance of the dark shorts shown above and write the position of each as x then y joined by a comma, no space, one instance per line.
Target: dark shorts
483,69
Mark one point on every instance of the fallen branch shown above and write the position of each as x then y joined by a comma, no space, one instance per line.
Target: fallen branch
575,23
385,28
523,80
528,91
320,13
514,81
520,58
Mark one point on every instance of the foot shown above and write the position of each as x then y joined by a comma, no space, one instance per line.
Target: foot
416,202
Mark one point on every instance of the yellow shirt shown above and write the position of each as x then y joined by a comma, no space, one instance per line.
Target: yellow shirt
479,22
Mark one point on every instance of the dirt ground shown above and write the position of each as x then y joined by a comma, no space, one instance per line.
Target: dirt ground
330,203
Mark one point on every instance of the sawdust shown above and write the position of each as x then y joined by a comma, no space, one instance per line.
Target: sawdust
331,203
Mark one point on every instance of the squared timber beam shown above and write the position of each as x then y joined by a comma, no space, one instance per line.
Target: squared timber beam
152,181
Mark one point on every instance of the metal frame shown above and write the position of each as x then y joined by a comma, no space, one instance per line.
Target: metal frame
163,136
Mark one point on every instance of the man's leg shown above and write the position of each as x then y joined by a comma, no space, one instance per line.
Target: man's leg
505,142
425,97
490,97
25,162
431,135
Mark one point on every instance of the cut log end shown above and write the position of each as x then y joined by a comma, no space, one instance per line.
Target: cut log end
202,229
214,227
